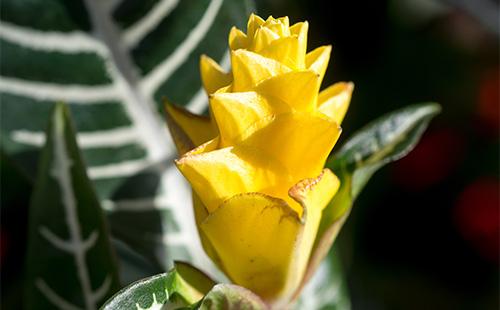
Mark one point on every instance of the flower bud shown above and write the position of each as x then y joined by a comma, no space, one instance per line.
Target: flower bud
256,164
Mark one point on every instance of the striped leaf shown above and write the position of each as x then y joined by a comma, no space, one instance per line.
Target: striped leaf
111,61
70,263
182,286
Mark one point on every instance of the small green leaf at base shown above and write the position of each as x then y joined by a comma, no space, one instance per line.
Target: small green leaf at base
229,296
182,286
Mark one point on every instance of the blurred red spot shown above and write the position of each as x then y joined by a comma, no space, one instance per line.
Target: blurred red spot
489,102
477,216
4,244
433,159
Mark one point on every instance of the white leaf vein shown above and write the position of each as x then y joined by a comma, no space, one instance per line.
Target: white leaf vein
72,93
61,165
118,136
167,67
53,297
73,42
135,33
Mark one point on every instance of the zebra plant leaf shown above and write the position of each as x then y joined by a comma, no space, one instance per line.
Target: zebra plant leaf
111,61
182,286
70,263
386,139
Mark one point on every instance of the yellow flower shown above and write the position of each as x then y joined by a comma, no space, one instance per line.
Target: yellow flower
256,164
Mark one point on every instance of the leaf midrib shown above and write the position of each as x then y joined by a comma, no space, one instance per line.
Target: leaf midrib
143,109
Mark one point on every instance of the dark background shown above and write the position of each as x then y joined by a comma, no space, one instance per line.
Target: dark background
425,232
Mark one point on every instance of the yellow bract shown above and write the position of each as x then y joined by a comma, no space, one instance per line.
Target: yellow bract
256,164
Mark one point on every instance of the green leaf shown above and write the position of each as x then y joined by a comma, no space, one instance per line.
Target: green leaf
182,286
386,139
111,61
70,263
229,296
